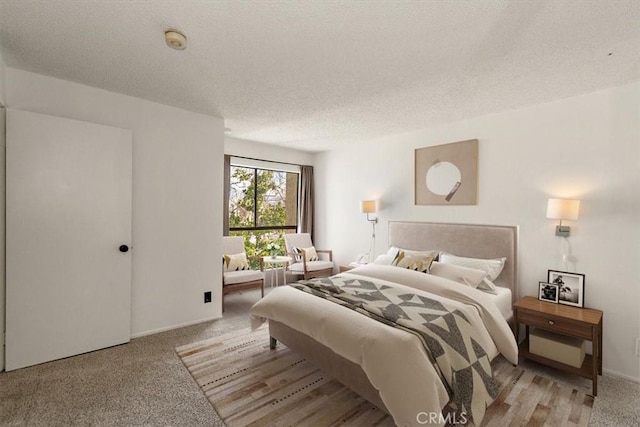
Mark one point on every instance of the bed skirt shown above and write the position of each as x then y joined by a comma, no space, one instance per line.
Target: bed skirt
345,371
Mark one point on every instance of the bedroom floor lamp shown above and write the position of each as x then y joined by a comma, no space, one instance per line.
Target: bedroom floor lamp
369,207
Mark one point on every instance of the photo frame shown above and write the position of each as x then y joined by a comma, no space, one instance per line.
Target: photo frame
570,287
447,174
548,292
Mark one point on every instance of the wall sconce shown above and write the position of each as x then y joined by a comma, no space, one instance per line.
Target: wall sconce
369,207
563,209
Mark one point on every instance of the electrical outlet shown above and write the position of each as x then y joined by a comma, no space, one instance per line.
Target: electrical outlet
638,347
207,297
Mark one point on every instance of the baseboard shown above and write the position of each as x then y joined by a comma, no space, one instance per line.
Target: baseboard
611,373
169,328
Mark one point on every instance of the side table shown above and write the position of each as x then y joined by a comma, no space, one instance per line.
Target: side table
273,263
585,323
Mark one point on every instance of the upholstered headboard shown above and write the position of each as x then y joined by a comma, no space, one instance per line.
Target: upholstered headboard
467,240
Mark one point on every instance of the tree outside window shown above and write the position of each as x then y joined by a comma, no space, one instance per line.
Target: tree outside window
263,206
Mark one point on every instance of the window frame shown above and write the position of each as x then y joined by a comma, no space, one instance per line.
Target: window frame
260,165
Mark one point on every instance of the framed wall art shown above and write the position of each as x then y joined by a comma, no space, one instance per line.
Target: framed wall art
570,287
447,174
548,292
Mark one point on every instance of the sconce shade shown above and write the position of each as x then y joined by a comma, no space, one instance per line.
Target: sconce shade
368,206
563,209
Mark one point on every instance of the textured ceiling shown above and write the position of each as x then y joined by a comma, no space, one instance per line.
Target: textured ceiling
312,75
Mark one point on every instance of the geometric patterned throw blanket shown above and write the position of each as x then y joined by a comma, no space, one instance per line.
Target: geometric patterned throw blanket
448,336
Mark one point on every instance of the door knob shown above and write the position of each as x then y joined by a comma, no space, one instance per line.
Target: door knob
124,248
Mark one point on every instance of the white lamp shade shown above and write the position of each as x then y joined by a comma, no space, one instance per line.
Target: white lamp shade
563,209
368,206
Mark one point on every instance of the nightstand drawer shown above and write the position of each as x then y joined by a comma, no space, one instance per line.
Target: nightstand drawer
556,324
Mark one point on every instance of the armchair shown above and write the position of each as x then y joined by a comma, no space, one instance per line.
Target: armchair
236,278
301,263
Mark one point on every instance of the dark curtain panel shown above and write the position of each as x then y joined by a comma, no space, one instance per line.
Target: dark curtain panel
306,201
225,202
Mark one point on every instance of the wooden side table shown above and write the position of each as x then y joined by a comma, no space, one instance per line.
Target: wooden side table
585,323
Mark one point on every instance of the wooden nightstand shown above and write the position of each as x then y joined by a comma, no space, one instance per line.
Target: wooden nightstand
585,323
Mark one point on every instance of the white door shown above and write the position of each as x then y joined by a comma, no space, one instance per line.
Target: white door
68,211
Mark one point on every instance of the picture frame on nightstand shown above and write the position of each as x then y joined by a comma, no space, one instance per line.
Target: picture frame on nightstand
548,292
570,287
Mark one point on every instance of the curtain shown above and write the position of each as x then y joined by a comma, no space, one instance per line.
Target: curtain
227,188
306,201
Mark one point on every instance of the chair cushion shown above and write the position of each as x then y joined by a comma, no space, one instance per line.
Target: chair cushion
242,276
311,266
235,262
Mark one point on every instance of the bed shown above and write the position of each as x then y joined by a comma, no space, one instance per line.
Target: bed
358,351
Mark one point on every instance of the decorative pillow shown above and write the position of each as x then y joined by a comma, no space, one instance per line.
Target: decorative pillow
235,262
493,267
309,254
467,276
414,260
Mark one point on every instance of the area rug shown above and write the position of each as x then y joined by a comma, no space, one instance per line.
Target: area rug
249,384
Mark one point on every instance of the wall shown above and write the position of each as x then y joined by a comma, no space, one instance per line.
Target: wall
257,150
585,147
177,194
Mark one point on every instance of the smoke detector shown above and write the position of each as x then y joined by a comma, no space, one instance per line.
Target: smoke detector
175,39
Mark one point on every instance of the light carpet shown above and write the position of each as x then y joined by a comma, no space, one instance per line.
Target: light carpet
249,384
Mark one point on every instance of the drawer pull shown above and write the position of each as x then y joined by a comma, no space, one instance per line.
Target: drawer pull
551,322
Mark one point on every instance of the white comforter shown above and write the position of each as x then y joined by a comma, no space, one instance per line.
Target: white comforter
402,372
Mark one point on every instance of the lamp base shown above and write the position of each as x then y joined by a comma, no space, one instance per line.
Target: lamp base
563,231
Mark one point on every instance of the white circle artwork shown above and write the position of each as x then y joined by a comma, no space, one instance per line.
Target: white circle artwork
442,178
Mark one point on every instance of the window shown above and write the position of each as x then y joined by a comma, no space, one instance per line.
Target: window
263,205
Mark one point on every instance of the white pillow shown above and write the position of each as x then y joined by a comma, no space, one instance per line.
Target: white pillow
384,259
414,260
467,276
393,251
235,262
487,286
493,267
387,259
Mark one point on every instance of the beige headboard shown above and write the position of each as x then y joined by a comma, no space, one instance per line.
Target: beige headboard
468,240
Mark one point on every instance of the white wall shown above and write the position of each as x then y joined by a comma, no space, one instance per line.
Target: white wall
586,147
257,150
177,194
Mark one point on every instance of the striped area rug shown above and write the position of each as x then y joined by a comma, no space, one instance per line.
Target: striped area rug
249,384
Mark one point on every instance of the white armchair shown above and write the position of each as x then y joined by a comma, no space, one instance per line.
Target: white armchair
300,264
236,280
